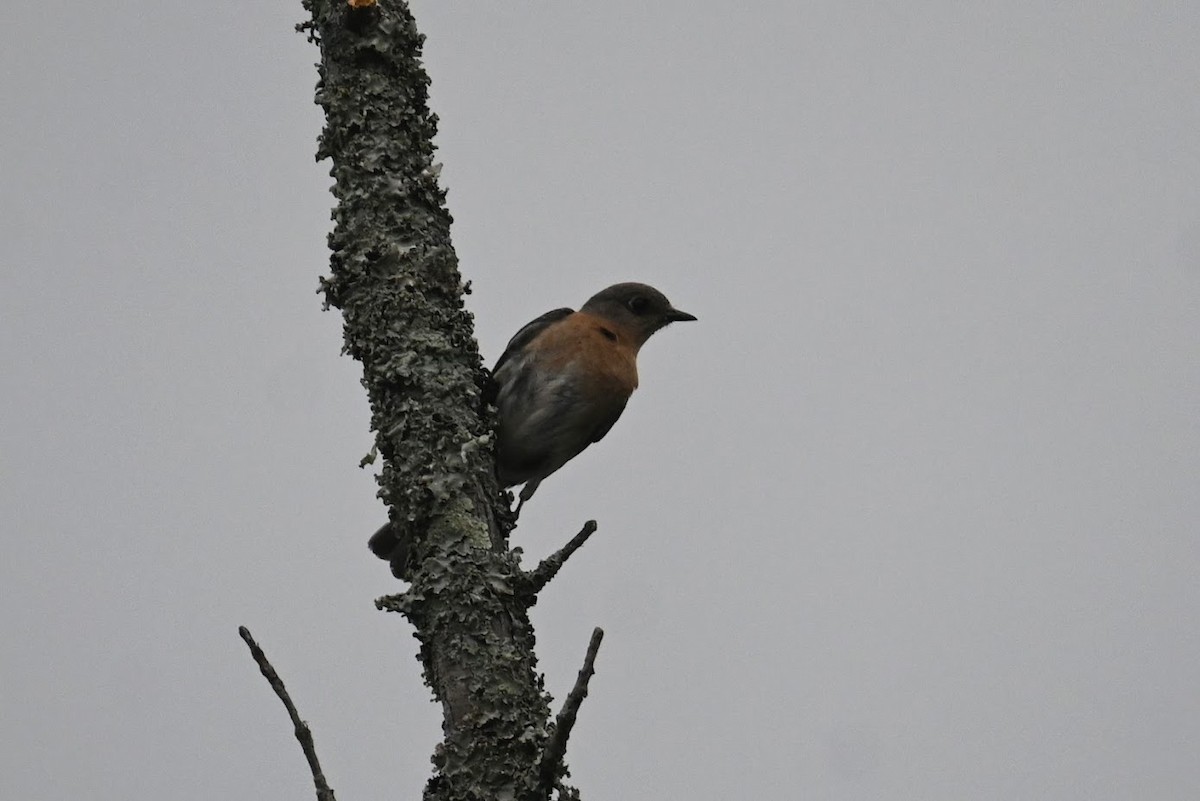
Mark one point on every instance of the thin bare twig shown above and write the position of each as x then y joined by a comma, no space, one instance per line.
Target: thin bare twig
303,733
550,765
540,576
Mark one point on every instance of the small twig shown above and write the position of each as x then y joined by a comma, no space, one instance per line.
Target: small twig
303,733
548,567
550,765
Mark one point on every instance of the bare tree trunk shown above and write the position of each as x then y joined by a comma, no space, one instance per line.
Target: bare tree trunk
394,275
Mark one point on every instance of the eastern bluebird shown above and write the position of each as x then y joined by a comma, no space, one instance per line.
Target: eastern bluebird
561,384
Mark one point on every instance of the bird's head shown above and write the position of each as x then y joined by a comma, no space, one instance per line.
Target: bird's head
639,309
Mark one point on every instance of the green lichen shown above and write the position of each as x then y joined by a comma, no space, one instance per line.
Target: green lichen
394,276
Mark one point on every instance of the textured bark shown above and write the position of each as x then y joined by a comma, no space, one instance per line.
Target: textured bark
394,276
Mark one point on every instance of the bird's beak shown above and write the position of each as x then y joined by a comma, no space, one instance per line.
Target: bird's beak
677,316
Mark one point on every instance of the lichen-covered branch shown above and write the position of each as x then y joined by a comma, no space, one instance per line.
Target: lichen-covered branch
548,568
394,276
393,271
303,733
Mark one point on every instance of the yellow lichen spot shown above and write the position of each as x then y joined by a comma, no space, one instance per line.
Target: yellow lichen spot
360,3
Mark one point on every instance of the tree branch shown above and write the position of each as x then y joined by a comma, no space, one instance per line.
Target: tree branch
393,274
548,568
550,767
303,733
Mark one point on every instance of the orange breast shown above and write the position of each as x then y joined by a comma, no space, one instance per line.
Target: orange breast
603,355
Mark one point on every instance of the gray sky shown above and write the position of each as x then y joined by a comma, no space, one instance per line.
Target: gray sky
910,513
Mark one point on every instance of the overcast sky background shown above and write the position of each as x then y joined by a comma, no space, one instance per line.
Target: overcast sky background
912,512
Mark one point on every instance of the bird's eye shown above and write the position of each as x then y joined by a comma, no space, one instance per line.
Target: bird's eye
638,304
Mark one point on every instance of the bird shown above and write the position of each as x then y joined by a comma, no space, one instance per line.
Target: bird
561,384
564,379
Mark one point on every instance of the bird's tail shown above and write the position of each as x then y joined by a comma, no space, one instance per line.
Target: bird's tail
389,544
